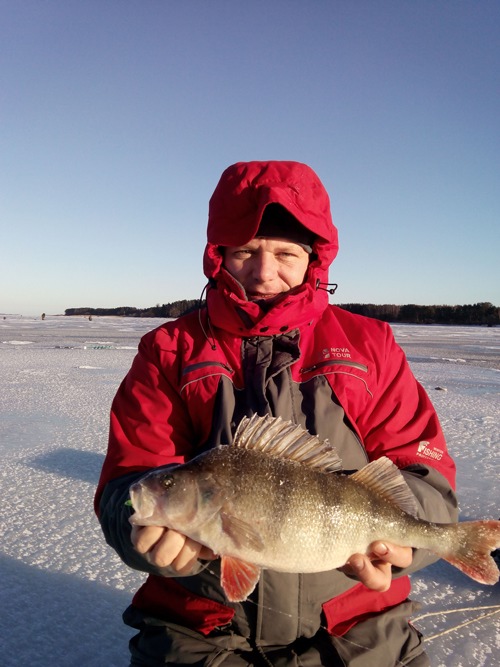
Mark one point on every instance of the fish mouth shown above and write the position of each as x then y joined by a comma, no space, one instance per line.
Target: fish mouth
143,503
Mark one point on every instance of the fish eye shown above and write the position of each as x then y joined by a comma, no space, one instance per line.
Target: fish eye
166,481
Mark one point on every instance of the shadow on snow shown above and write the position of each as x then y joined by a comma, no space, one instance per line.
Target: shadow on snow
58,619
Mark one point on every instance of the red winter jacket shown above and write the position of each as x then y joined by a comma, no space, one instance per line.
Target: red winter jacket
339,375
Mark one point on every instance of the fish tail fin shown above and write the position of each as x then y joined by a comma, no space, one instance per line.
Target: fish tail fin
475,542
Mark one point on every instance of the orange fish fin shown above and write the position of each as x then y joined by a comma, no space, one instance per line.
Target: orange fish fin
477,539
238,578
384,478
283,439
242,534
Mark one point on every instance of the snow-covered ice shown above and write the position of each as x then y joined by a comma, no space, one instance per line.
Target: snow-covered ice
63,589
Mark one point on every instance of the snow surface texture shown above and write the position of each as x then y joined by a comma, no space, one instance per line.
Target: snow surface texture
63,589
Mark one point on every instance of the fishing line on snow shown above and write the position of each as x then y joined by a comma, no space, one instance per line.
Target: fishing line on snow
429,638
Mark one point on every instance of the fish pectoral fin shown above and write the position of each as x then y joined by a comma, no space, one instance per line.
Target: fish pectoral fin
241,533
238,578
384,478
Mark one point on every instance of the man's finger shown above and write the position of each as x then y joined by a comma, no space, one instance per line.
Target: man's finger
167,548
375,575
187,557
145,537
391,553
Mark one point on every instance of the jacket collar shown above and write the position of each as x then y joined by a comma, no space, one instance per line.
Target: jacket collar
229,309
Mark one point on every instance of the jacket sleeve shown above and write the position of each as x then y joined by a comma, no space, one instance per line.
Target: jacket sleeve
402,424
149,427
436,501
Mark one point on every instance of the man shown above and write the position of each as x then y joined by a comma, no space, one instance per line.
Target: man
268,342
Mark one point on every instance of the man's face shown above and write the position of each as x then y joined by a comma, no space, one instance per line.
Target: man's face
267,267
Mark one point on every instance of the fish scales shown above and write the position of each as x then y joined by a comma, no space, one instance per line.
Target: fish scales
281,501
267,502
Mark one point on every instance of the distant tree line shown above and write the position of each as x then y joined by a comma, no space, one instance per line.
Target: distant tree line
477,313
167,310
484,313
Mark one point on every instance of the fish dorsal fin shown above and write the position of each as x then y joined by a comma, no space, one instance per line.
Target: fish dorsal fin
284,439
384,478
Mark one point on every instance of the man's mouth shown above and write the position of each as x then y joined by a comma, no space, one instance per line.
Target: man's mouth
256,296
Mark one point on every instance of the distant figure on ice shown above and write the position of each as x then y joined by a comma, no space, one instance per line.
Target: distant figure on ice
268,343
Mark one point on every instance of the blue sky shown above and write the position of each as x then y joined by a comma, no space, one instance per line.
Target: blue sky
117,118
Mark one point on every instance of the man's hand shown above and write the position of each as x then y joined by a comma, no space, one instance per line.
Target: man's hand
375,569
165,547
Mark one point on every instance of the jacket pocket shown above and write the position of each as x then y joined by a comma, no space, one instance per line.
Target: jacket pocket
166,600
359,603
204,370
347,370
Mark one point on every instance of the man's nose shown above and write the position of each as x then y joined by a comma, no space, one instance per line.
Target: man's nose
265,267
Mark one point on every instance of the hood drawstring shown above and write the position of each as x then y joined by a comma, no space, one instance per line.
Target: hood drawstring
330,290
209,336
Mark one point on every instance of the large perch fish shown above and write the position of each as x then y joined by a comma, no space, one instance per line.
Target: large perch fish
272,500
